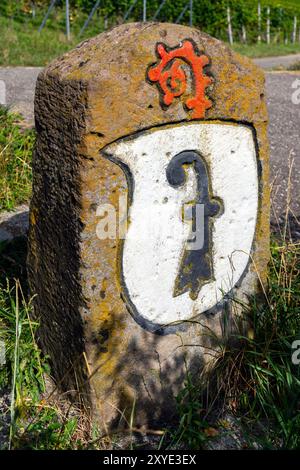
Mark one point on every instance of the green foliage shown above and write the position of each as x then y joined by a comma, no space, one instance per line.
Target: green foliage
265,50
15,161
22,355
192,423
256,372
36,421
22,44
47,431
208,15
253,375
35,424
273,380
24,366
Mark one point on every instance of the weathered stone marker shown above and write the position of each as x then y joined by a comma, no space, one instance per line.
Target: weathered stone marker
167,123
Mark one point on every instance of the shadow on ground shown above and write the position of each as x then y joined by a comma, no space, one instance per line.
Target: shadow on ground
13,254
287,228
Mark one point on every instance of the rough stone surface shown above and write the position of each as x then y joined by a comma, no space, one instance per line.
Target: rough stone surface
86,100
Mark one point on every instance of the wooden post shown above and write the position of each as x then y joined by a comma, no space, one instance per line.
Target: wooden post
295,29
2,93
158,10
144,10
230,36
67,20
268,25
244,34
33,9
129,10
182,13
86,23
259,23
47,15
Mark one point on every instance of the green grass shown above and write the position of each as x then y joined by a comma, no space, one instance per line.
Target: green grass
268,383
22,44
254,377
38,417
35,423
24,368
192,431
265,50
16,147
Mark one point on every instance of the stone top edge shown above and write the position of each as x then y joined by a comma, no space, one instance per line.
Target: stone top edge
108,77
76,64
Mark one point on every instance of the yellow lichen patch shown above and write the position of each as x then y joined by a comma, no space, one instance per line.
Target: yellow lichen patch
33,215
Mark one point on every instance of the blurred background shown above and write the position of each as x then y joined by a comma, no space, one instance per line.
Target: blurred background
34,32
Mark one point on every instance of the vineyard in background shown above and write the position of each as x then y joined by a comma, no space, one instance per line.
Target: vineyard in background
34,32
245,21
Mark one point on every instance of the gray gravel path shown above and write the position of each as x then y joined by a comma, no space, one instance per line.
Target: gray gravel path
284,135
19,89
14,224
278,62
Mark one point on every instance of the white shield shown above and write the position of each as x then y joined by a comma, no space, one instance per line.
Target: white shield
157,235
